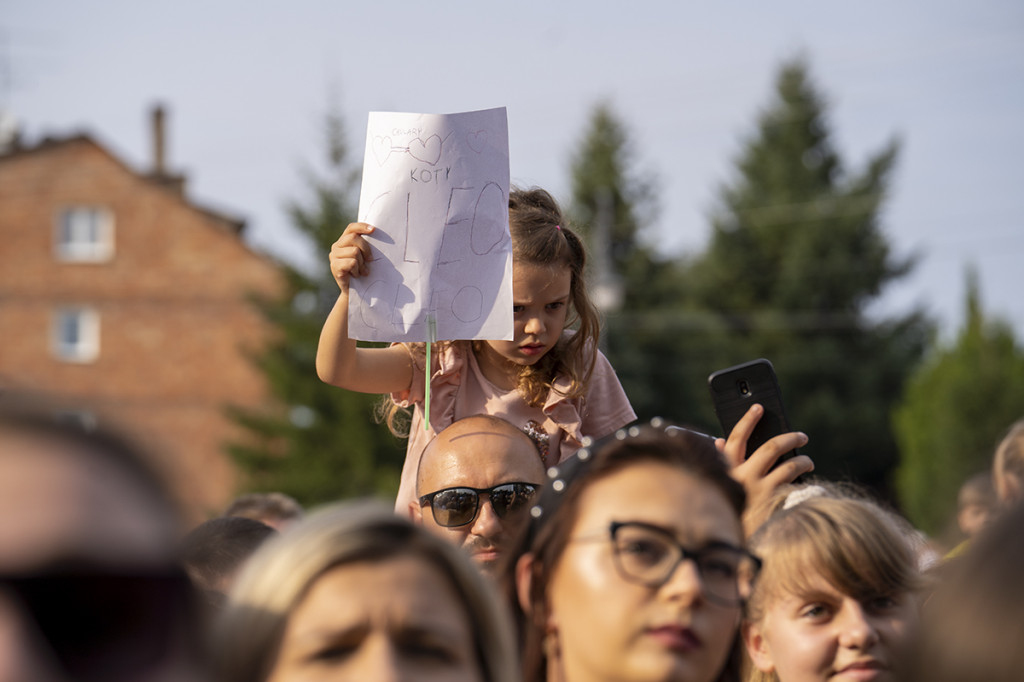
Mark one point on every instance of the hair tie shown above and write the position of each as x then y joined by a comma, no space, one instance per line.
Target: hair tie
802,495
558,227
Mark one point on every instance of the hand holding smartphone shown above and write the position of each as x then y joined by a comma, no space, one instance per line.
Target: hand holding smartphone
735,389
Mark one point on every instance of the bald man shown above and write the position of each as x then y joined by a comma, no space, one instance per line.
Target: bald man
472,478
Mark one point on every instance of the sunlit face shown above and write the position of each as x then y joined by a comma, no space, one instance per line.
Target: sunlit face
609,628
476,453
540,295
824,634
399,619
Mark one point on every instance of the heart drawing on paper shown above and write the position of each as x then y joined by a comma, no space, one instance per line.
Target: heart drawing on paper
381,149
477,141
427,151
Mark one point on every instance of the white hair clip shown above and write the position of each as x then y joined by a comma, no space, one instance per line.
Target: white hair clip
802,494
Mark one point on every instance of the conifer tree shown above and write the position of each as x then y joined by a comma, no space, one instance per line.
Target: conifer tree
613,203
957,407
795,257
322,443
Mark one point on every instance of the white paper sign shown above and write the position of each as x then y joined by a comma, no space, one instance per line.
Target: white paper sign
436,188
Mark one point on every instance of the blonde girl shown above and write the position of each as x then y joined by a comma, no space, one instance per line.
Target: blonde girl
835,598
550,381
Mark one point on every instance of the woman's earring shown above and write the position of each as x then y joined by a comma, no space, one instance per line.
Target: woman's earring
553,656
552,650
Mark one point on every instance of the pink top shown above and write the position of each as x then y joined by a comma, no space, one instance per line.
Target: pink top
459,389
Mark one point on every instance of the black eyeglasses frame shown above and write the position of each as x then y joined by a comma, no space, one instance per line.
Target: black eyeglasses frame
694,555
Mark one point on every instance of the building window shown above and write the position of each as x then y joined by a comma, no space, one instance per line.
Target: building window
76,334
85,234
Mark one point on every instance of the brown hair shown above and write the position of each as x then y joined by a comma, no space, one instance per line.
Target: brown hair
552,519
215,549
270,506
540,236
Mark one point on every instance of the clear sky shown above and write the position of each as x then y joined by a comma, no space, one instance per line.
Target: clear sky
247,84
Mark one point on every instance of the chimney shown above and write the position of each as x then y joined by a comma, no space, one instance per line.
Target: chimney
10,132
159,165
159,172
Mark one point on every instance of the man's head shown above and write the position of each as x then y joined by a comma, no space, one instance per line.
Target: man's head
87,527
277,510
479,452
215,551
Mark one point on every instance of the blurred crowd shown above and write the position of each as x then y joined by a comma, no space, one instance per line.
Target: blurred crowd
655,553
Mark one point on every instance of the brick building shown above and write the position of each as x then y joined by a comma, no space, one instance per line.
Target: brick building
123,301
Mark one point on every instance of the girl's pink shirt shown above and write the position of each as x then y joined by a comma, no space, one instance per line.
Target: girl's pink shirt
459,389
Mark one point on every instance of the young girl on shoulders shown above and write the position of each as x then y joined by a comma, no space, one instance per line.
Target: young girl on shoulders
550,379
836,596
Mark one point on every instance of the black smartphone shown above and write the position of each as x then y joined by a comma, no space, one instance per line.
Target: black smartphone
735,389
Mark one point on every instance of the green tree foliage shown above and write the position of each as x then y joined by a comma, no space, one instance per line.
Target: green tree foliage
956,408
796,255
636,287
611,202
322,443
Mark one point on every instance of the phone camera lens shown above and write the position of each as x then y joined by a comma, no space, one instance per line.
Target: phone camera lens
744,388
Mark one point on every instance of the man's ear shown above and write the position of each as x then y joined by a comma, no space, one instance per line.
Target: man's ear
415,512
757,646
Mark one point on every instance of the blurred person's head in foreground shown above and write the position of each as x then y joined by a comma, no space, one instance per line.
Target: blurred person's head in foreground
837,594
214,551
356,592
90,589
1008,466
633,566
972,625
275,509
473,480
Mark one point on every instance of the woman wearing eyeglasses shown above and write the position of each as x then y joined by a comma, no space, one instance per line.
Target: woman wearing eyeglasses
633,566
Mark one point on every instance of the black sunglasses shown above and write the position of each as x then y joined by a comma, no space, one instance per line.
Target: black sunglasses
104,623
453,507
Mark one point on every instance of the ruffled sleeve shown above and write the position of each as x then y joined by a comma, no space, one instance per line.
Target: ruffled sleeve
604,408
565,413
446,373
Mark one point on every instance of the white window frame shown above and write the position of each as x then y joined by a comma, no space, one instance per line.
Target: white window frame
84,234
75,335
